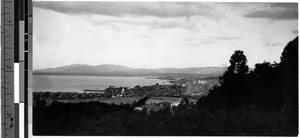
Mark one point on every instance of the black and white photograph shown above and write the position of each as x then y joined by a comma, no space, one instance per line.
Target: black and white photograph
134,68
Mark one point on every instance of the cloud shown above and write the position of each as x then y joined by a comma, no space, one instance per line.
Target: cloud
144,36
227,38
196,42
273,44
137,9
276,11
148,22
284,5
295,32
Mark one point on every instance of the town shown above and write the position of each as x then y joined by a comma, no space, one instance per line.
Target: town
178,87
113,92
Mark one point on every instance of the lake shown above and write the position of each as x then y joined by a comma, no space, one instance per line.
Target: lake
56,83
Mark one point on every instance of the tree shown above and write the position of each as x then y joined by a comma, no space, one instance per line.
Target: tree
40,102
138,87
140,102
263,70
184,102
232,90
238,63
238,66
289,56
289,76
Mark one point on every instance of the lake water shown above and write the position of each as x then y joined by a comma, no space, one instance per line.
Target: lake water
56,83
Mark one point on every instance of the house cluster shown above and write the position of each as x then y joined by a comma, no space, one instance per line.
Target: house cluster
157,106
138,91
113,92
67,95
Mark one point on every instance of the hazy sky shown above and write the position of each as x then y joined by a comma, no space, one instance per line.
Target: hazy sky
160,34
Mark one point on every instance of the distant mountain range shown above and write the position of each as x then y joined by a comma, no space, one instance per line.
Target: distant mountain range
119,70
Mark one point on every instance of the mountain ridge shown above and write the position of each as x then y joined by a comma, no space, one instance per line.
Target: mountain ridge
111,69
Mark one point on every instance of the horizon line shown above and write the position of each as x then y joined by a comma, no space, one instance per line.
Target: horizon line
220,66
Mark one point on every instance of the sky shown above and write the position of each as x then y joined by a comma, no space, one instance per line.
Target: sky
159,34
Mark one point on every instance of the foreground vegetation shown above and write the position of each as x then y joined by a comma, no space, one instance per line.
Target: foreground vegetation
262,102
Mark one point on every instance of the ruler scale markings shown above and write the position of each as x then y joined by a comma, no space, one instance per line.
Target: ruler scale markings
8,66
16,67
